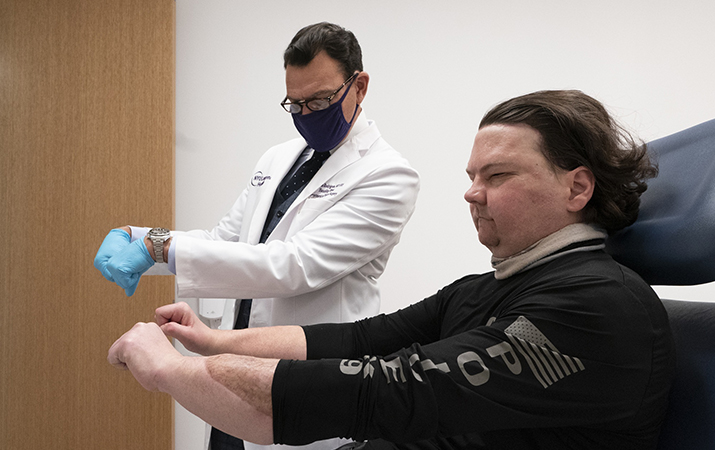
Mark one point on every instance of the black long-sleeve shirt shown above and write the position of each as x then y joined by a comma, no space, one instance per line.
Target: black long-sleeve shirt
573,354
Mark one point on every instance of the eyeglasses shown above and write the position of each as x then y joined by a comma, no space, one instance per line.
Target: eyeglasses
315,104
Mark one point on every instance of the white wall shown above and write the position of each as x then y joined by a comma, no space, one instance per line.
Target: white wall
435,68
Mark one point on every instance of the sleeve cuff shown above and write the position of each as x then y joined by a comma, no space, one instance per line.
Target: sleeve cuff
138,232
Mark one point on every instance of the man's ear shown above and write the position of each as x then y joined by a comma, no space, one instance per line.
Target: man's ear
582,183
361,82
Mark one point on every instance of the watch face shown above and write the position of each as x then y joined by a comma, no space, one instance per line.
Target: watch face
158,232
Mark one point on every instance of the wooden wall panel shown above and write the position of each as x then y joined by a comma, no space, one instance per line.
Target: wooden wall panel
86,144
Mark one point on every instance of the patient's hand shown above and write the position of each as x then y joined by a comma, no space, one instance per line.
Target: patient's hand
147,353
179,321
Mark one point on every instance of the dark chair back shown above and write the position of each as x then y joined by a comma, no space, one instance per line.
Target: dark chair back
673,243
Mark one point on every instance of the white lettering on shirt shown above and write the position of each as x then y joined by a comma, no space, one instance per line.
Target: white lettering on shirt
544,360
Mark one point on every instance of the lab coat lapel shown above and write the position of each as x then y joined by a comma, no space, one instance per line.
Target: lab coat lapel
349,152
343,157
277,169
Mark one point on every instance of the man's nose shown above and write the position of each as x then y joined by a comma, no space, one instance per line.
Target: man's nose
475,194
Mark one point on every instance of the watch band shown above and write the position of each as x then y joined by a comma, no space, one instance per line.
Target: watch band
158,236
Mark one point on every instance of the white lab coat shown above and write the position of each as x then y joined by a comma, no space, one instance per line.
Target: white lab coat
322,261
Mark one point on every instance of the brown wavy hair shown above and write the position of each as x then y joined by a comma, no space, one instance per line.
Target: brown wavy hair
577,130
339,43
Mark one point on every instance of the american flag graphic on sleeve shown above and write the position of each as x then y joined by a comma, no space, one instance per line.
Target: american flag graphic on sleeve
545,361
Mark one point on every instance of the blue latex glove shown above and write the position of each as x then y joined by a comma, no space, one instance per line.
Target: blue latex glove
114,243
129,265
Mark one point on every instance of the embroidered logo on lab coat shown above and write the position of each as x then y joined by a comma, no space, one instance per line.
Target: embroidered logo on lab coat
326,190
258,179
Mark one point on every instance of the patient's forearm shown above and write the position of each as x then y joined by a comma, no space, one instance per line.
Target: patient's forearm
284,342
230,392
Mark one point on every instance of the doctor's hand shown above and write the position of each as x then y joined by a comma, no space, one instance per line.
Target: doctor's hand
146,353
113,243
129,265
179,321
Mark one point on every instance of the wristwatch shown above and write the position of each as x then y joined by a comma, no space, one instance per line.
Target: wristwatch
158,236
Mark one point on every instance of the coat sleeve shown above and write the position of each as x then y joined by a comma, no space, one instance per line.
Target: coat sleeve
340,237
226,230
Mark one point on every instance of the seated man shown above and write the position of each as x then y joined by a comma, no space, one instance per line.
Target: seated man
559,348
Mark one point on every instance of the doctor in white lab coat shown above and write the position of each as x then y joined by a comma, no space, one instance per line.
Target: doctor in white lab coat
330,243
322,261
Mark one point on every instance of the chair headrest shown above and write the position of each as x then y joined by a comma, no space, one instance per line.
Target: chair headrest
673,240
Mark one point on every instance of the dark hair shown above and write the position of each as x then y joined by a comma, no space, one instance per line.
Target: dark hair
576,130
339,43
